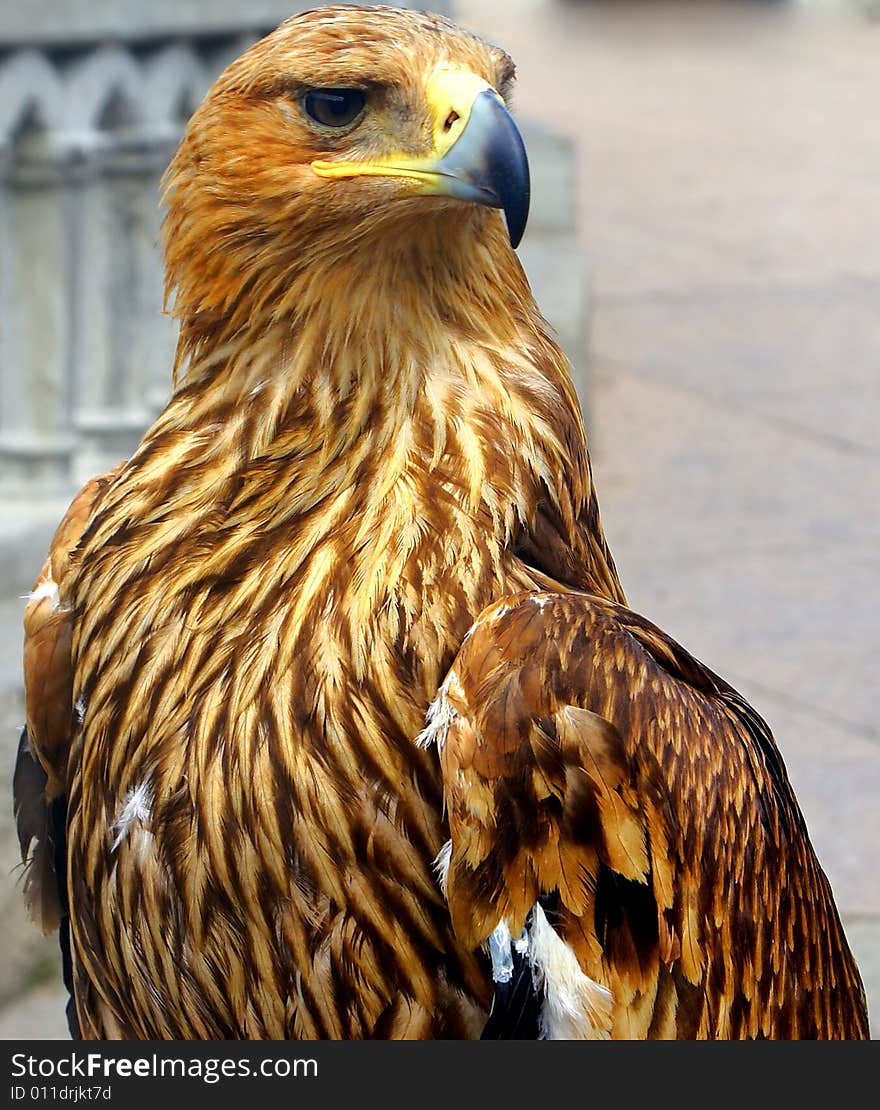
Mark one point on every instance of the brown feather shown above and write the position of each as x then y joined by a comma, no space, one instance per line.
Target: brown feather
670,831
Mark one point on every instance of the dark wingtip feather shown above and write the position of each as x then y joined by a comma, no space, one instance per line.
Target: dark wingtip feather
515,1007
35,839
29,806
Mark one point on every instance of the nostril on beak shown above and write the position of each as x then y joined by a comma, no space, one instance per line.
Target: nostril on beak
450,120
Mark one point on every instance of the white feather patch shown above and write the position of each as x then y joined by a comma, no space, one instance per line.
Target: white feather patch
441,866
135,812
575,1008
500,953
47,589
439,717
522,943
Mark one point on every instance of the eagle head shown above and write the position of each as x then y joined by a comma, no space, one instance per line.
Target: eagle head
345,132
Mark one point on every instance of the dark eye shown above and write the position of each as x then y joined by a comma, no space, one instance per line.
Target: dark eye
334,107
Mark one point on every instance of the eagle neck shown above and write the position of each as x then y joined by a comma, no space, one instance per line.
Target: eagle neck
372,379
343,350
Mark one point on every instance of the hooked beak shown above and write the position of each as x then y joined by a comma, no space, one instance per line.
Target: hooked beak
478,156
487,164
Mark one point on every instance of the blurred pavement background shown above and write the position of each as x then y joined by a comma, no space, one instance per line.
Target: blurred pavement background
728,161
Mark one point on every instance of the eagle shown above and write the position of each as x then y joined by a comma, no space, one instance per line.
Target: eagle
338,725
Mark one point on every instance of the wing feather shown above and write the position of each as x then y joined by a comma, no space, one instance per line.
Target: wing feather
587,756
41,764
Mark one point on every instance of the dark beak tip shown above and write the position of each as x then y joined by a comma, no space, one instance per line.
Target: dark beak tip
510,172
516,214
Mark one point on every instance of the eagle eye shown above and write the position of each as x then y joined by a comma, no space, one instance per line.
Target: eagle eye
334,107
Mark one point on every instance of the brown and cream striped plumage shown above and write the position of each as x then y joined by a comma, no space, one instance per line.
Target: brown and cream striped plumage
233,645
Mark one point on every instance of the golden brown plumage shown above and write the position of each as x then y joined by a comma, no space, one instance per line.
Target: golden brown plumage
651,802
371,440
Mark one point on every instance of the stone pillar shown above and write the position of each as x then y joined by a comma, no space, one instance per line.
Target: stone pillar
118,331
35,354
